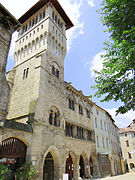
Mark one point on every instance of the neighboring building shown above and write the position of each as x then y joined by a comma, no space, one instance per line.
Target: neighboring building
127,140
107,142
8,24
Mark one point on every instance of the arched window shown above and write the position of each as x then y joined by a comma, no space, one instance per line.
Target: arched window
43,14
71,104
88,112
80,109
54,117
55,70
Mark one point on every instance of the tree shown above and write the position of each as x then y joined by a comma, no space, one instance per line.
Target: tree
116,81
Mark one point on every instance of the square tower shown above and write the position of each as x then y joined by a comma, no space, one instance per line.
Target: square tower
41,44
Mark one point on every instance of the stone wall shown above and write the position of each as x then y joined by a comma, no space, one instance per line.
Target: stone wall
7,25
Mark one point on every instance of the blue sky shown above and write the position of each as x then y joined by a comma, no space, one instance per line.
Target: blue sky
85,45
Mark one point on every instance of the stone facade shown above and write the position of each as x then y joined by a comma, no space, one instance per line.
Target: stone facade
59,115
7,26
47,114
127,140
108,147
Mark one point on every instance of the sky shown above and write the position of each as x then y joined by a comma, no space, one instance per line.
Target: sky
85,45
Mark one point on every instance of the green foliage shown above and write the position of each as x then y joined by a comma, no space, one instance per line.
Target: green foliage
26,171
117,78
5,173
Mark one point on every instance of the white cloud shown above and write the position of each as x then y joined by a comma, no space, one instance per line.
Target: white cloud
122,120
91,3
96,63
73,10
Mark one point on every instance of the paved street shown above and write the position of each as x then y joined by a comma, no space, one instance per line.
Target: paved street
127,176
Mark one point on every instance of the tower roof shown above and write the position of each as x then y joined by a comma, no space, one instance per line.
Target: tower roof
39,5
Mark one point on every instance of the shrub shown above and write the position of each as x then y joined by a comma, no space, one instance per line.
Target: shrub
5,173
26,171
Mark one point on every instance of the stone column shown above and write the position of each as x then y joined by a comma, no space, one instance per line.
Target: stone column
76,169
87,169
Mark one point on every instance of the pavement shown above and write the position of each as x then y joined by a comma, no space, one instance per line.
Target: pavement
127,176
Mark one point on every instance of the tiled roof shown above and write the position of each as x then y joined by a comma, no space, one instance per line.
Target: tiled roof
130,128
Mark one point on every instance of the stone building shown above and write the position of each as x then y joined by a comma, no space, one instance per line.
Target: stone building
127,140
49,122
8,24
107,142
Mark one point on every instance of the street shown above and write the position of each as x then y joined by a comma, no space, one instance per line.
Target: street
127,176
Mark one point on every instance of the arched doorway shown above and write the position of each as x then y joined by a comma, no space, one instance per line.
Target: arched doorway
14,150
81,167
91,166
69,167
48,168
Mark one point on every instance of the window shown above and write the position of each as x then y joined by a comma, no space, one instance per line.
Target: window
125,135
33,23
43,14
127,143
54,117
97,111
88,113
26,27
80,109
129,155
55,18
25,73
105,125
101,124
30,24
103,142
36,19
96,122
71,104
55,70
40,16
53,15
97,142
107,142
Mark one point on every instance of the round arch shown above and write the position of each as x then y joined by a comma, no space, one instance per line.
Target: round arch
18,137
14,150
